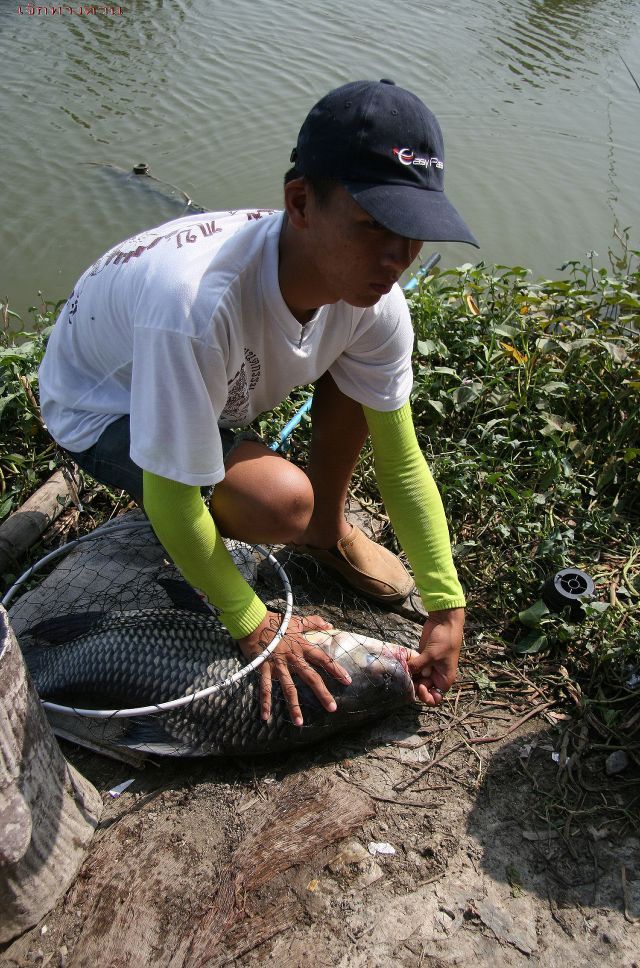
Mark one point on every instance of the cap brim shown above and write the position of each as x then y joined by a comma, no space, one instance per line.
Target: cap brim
413,212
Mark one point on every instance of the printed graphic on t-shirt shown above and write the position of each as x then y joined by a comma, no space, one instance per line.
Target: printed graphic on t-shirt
135,247
240,386
139,245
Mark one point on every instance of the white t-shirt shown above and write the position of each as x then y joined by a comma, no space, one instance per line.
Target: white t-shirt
185,328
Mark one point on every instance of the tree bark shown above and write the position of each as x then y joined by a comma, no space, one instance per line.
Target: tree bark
48,811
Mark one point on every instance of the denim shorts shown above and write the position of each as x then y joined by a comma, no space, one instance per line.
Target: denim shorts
108,460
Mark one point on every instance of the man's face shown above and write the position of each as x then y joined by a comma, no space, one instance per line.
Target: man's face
356,258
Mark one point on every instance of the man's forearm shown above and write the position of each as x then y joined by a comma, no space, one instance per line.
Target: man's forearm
188,532
414,505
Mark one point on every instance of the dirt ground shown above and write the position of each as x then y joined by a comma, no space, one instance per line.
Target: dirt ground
467,882
273,861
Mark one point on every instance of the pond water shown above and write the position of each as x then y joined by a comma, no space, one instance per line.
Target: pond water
539,112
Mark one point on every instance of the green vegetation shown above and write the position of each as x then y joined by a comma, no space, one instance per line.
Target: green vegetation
27,454
527,401
527,398
527,404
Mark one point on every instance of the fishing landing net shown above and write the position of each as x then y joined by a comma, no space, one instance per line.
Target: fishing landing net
152,669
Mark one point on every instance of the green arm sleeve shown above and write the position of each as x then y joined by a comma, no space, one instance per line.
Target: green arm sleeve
413,503
187,531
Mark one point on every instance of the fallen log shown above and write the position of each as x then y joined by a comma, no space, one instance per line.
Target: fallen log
48,811
25,526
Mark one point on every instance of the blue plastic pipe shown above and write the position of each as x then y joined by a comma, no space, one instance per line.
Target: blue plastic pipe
291,425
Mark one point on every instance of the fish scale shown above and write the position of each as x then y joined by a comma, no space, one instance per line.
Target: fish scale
147,656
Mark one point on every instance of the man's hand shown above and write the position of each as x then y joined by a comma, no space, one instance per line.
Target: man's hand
434,669
293,655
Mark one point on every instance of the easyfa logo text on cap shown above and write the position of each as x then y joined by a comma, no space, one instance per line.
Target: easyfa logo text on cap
407,157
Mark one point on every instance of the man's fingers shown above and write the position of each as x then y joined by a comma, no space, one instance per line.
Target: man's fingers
431,684
307,622
265,690
432,674
298,651
298,662
417,662
296,655
304,671
424,695
289,691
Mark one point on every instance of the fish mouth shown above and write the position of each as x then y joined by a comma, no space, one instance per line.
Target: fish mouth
399,653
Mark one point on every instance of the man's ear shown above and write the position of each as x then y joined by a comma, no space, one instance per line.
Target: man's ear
296,200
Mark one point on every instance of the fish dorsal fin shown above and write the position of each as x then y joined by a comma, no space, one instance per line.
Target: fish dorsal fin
65,628
182,595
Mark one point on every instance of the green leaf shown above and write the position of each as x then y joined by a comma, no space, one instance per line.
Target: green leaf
432,347
465,394
532,616
10,313
592,609
555,388
5,399
550,345
532,642
436,406
483,682
504,330
555,422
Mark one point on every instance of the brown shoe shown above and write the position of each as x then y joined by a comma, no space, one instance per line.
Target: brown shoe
366,566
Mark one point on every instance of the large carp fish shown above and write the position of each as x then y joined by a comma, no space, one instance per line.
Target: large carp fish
123,660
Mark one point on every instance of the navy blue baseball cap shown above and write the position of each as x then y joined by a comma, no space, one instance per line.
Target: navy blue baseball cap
385,146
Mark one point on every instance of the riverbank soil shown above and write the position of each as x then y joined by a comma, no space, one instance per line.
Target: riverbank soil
191,864
457,836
